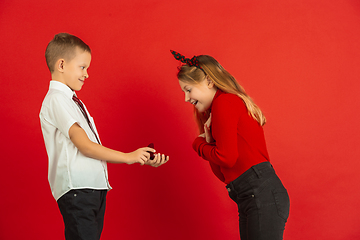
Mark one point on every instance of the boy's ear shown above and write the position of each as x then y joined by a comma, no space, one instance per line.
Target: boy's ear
59,66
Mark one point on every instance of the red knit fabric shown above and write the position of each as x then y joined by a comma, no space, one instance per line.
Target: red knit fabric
239,139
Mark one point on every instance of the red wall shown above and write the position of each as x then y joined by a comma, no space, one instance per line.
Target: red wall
299,60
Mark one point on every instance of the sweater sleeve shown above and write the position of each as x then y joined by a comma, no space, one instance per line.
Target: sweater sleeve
217,171
226,111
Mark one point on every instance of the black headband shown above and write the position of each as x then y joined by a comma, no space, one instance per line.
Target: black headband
191,62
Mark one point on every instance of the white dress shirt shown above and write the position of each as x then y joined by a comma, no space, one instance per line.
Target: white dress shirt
68,168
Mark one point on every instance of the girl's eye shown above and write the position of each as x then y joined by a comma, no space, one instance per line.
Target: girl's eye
189,90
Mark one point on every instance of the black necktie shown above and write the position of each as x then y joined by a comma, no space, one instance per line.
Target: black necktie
81,106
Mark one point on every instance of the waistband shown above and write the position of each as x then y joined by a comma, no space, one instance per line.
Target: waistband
256,170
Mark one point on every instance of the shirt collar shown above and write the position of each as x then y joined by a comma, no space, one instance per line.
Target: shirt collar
62,87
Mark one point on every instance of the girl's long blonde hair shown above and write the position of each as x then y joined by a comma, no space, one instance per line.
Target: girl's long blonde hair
223,80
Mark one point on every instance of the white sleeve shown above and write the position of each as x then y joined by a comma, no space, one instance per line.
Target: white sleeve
61,114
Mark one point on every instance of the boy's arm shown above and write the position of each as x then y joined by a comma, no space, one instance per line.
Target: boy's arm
97,151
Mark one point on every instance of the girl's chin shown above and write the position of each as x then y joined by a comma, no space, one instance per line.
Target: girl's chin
200,109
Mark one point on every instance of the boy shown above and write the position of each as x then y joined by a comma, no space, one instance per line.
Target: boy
78,173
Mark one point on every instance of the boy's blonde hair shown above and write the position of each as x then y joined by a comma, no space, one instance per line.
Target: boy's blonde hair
223,80
63,46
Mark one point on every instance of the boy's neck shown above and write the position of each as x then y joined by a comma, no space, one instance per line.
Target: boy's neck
57,78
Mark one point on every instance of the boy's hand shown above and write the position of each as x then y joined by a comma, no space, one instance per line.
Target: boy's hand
140,155
158,160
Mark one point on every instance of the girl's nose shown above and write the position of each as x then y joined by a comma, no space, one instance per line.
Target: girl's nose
187,99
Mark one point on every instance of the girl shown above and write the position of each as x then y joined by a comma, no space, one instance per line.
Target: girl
232,140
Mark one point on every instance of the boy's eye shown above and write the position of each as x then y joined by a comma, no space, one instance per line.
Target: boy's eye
82,68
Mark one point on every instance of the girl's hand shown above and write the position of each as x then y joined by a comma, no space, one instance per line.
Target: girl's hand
158,160
208,136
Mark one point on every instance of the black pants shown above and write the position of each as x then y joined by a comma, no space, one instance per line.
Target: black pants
83,213
263,203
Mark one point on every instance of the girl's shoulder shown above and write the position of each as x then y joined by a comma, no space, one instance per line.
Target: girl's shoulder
228,96
229,100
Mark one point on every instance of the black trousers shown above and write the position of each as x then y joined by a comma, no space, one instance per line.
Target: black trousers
83,213
263,203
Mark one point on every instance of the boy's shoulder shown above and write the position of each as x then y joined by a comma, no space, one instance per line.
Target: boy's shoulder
58,92
55,100
57,108
54,95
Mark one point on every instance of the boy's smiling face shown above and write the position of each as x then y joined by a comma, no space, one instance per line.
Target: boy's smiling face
75,71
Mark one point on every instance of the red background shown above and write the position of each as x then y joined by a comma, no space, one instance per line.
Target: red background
299,60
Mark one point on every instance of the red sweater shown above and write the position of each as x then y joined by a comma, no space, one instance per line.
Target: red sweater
239,139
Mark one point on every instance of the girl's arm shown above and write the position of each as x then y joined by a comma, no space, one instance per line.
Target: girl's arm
226,112
217,171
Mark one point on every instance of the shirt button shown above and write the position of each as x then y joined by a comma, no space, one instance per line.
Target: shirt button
229,189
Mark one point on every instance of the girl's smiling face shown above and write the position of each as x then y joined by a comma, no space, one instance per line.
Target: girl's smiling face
200,95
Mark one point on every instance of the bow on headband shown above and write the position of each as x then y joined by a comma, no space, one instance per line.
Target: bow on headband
191,62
